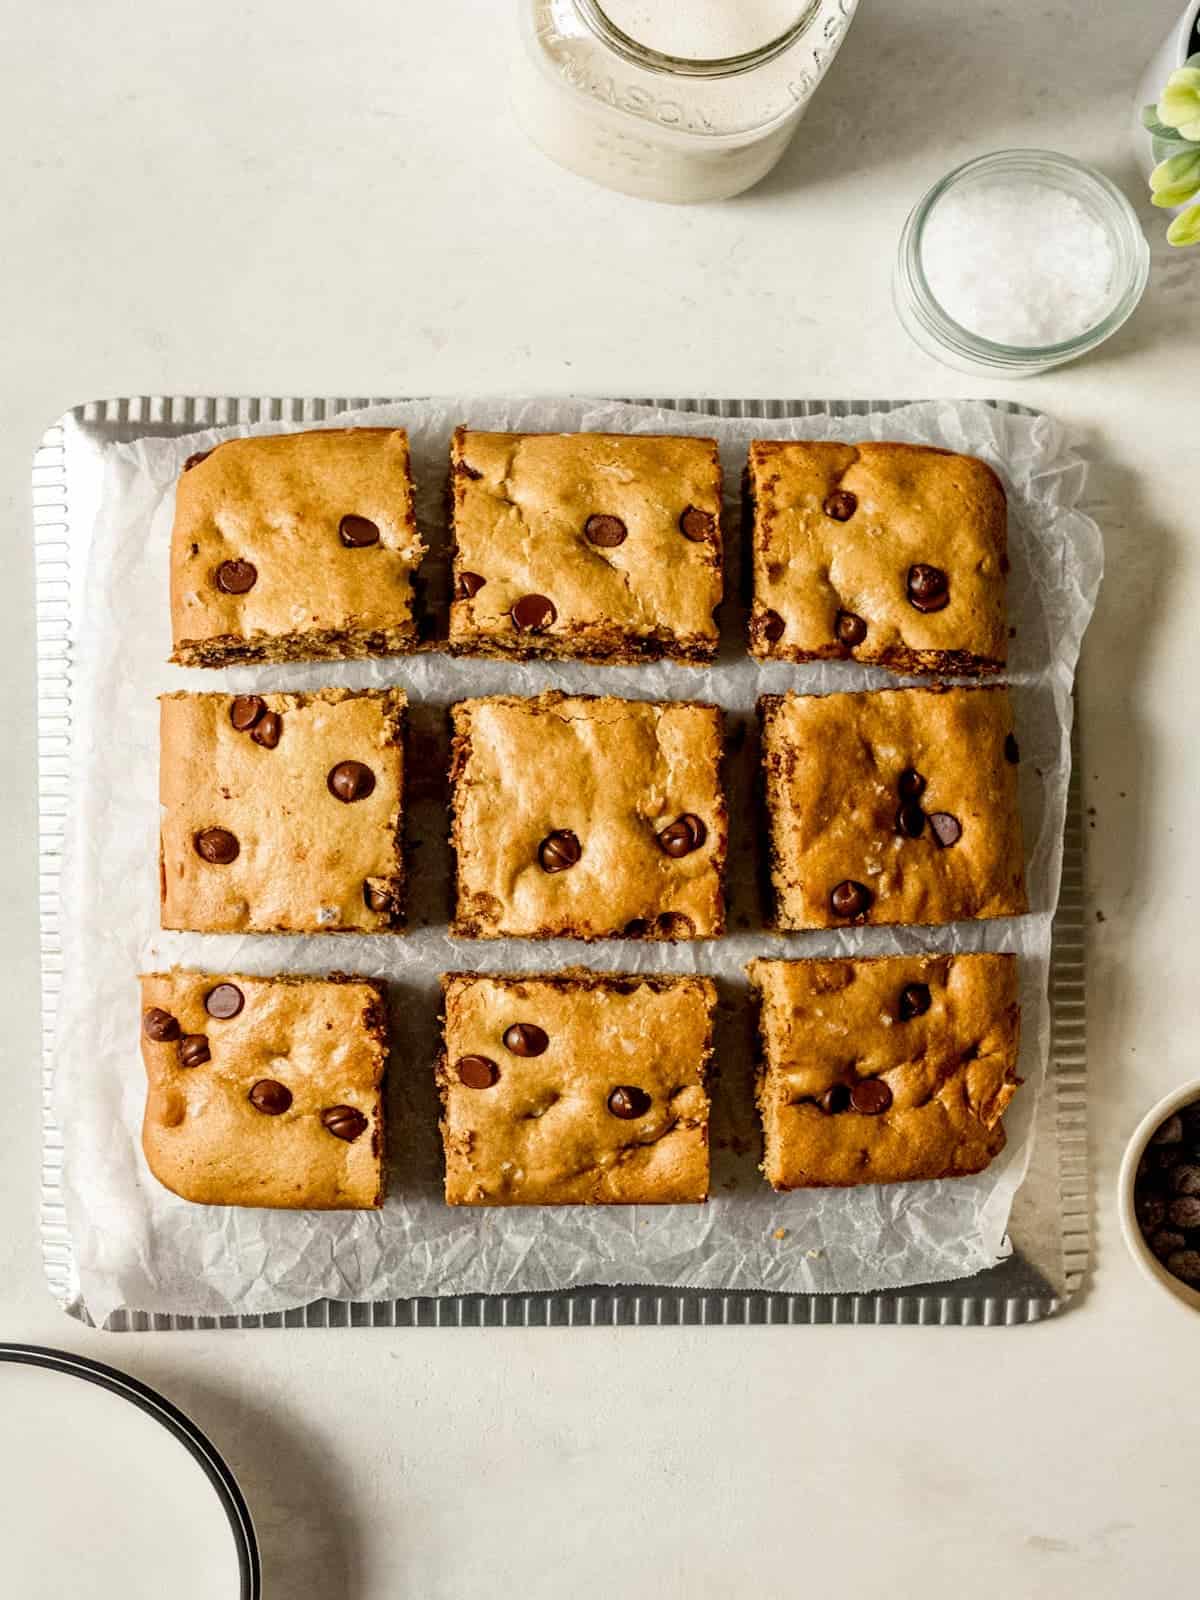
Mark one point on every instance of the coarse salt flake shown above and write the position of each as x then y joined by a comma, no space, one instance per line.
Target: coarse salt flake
1021,264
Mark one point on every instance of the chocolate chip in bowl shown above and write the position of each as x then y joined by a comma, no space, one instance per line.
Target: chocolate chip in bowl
1159,1194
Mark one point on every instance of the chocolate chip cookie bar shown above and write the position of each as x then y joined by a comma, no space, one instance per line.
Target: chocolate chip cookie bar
604,547
893,806
265,1091
885,1070
282,813
580,1088
294,547
587,817
889,553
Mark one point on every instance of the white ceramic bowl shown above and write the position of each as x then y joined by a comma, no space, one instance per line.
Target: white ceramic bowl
1172,53
1185,1095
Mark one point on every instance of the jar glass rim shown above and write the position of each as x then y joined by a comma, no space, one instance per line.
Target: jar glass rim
1132,265
642,55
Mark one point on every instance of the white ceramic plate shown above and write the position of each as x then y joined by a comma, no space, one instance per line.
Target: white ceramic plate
111,1490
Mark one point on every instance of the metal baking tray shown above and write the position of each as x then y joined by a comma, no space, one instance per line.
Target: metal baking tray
1045,1253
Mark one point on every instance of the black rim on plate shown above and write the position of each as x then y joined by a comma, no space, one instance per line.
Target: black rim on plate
176,1423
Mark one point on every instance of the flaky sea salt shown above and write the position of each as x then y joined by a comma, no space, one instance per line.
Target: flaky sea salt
1018,263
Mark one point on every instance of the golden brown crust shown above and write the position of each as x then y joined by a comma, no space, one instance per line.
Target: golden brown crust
542,1133
520,504
950,1071
898,505
615,774
832,768
324,1039
305,858
277,502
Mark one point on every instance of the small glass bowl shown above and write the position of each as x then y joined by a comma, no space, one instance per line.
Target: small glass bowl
948,341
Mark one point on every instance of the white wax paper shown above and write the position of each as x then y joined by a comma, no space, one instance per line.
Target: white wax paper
137,1246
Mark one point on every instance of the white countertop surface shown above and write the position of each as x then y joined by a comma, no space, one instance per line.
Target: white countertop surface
304,199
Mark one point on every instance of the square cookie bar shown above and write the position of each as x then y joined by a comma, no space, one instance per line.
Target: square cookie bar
893,806
282,813
601,546
293,547
587,817
581,1088
885,1070
265,1091
891,553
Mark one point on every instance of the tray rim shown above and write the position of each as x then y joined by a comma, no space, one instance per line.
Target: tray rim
943,1305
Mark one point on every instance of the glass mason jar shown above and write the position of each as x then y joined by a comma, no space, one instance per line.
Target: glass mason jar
688,101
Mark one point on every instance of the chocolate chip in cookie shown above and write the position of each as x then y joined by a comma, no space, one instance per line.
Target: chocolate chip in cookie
358,532
270,1097
526,1039
350,780
217,846
605,531
236,577
928,587
628,1102
533,612
559,850
681,837
160,1025
850,899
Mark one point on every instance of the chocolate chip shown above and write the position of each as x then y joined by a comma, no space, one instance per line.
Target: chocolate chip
605,531
533,612
1164,1241
836,1099
870,1096
627,1102
267,729
770,626
850,899
1171,1131
377,898
159,1025
358,532
217,845
269,1097
525,1039
928,587
467,585
245,710
850,628
681,837
674,925
910,820
1185,1212
225,1001
344,1122
350,780
196,459
1150,1210
559,850
236,577
637,928
915,1001
477,1072
695,524
1185,1264
193,1050
910,784
841,505
947,829
1185,1179
1012,750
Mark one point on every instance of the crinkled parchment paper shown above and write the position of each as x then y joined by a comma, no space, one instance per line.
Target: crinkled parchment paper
138,1246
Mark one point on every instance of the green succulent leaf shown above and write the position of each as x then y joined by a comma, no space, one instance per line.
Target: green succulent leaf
1186,227
1175,180
1179,104
1159,130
